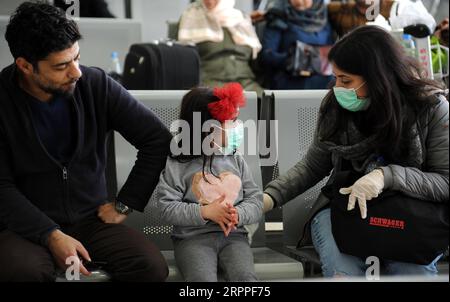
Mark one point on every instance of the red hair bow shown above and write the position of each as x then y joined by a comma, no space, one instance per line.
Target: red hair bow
231,97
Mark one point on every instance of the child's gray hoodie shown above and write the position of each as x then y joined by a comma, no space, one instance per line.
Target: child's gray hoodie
182,190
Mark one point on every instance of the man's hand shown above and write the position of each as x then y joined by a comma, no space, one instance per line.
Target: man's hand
220,213
108,214
257,16
63,246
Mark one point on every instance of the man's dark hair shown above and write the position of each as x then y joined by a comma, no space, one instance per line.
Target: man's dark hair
37,29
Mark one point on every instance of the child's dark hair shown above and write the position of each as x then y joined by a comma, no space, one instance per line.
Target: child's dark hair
196,100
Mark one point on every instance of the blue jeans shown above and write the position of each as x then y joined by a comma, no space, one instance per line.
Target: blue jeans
335,263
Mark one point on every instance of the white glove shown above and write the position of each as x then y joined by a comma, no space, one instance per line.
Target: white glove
365,188
268,203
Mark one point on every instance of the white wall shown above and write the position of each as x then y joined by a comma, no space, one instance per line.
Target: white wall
442,9
117,7
154,14
8,6
5,55
244,5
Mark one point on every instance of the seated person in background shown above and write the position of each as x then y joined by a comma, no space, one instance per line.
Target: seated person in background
209,196
296,42
442,32
89,8
345,16
226,41
439,57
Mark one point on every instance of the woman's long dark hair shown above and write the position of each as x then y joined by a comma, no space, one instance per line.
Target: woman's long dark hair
196,100
395,85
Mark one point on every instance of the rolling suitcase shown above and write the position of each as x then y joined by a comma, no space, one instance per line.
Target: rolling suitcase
161,66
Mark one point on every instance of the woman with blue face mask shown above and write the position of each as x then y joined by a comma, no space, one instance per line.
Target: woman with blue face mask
384,121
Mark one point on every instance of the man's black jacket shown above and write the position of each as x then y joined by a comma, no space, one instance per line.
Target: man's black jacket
37,194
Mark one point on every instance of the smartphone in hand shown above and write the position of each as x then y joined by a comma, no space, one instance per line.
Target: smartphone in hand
94,265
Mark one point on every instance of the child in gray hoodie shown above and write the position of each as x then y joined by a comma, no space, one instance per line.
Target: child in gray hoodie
209,196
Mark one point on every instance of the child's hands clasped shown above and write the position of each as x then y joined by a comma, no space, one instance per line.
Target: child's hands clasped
224,214
234,220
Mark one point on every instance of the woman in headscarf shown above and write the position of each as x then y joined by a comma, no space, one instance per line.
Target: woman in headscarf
296,42
226,41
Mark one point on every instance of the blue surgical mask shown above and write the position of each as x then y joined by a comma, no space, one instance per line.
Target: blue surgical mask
234,138
348,99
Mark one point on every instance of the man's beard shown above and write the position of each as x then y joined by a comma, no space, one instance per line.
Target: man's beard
57,91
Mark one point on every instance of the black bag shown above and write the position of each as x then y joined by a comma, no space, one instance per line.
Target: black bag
397,227
161,66
303,60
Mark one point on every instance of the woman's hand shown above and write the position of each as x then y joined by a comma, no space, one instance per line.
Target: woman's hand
365,188
268,203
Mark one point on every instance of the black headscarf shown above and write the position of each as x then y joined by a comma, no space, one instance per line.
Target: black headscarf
281,12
